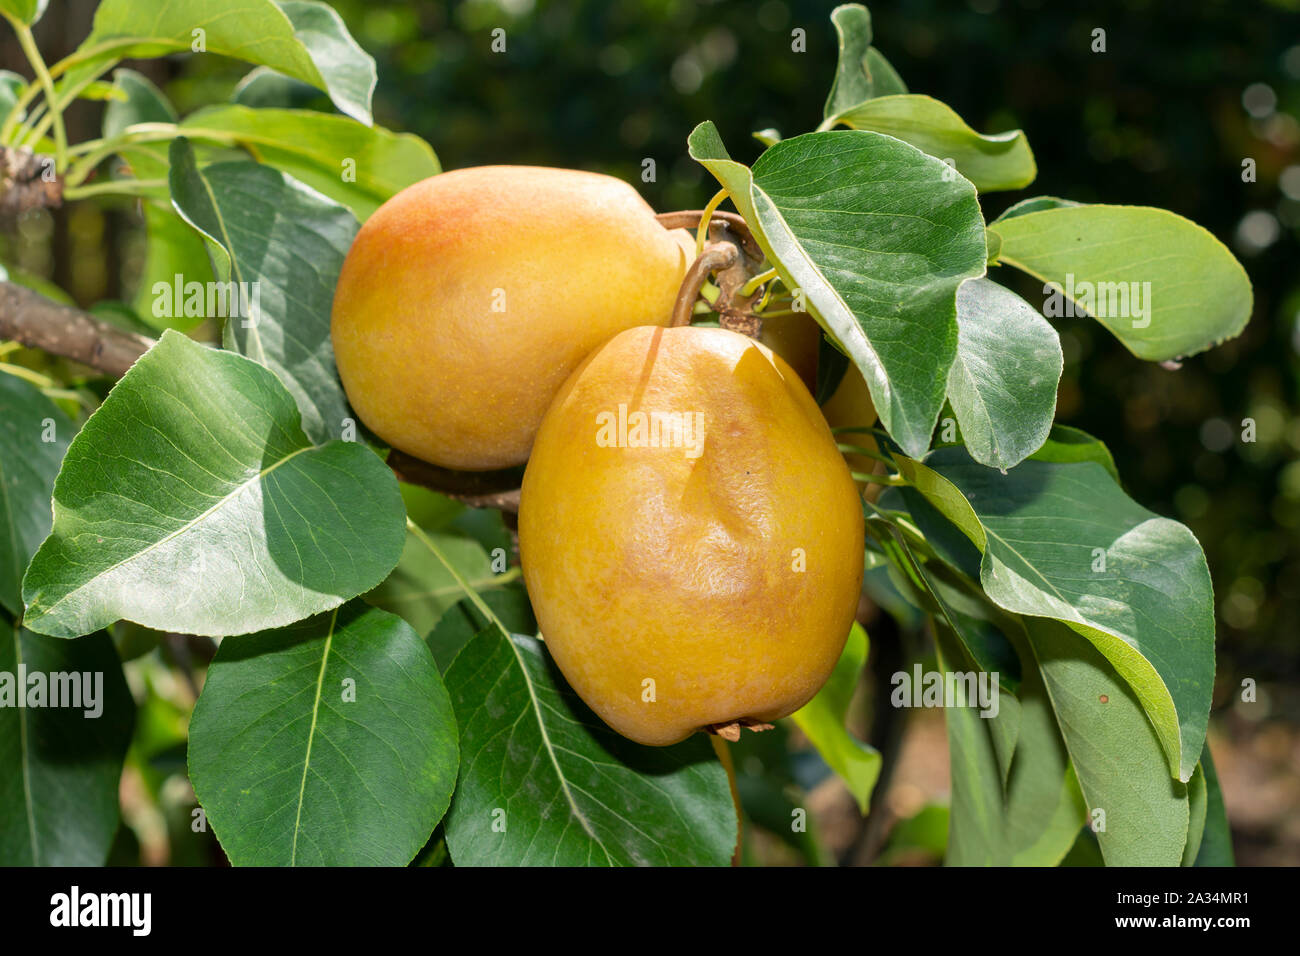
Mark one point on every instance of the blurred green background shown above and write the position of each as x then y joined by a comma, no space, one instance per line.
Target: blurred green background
1183,94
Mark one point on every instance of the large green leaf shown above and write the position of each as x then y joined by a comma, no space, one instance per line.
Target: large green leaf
544,782
991,162
192,501
822,721
60,765
328,743
1002,385
1063,541
305,40
1109,260
34,435
355,165
285,244
1114,750
878,236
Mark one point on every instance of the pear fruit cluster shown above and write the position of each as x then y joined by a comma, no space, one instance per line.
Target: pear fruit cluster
690,536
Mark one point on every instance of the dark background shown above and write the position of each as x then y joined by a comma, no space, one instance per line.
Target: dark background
1184,92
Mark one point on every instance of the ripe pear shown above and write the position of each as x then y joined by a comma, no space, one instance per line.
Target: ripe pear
690,537
850,406
468,298
796,338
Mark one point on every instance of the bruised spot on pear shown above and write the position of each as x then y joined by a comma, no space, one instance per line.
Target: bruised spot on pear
687,524
468,298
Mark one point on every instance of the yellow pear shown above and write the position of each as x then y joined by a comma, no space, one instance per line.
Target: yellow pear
850,406
467,299
690,537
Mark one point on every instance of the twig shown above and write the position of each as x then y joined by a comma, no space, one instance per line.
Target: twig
37,322
478,489
720,224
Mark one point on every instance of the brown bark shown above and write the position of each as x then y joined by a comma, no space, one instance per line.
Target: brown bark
37,322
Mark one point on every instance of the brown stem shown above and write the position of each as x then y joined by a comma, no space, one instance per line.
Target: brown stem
478,489
35,321
722,225
716,255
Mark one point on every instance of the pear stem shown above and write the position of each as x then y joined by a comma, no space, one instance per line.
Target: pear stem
731,731
733,256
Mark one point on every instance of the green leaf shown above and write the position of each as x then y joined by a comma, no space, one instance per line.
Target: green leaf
11,88
422,589
328,743
348,70
1065,444
1035,204
976,823
1030,813
1003,382
1114,750
192,501
24,11
981,638
307,41
462,622
1045,530
822,721
34,435
544,782
355,165
1197,798
1044,805
264,88
1163,285
878,236
139,102
1216,840
284,243
885,80
173,249
994,162
59,765
861,71
852,84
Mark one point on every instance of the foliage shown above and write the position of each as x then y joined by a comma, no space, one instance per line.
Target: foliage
228,492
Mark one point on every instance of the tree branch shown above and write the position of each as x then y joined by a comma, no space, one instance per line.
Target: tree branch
35,321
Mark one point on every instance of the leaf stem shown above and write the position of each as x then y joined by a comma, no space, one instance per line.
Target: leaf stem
120,187
706,217
879,479
68,97
28,43
472,594
865,452
752,286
